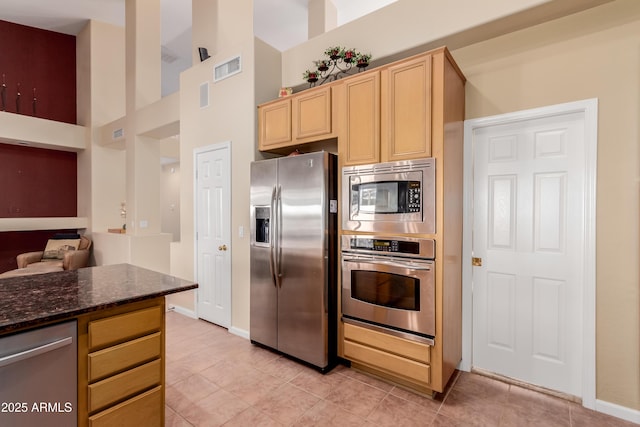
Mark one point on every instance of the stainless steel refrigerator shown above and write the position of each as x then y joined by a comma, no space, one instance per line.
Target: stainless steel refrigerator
293,257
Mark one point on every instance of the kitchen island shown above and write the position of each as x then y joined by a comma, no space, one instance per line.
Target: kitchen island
120,316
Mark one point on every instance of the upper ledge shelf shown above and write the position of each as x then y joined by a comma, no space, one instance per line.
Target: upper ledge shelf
41,133
49,223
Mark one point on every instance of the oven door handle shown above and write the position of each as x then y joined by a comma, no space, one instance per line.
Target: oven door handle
373,260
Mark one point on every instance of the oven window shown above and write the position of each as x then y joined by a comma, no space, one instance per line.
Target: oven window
386,289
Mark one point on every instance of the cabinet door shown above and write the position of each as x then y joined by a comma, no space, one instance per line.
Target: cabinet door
274,124
406,110
360,137
312,113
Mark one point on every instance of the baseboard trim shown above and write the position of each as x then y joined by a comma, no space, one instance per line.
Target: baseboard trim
618,411
242,333
182,310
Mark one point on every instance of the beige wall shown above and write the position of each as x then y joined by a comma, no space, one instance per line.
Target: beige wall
170,200
418,25
593,54
101,99
230,117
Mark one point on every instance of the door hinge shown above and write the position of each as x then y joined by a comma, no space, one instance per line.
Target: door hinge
476,262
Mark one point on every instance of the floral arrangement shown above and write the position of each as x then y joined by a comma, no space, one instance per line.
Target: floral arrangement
340,62
363,58
334,52
310,76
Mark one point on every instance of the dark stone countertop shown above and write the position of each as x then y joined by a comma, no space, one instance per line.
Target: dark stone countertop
30,301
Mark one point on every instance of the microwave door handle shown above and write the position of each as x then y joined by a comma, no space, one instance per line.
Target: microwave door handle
272,224
356,181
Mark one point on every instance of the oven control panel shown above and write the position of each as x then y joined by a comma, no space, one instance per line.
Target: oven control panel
402,246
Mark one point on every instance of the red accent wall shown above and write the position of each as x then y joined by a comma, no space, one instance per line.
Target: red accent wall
40,59
35,183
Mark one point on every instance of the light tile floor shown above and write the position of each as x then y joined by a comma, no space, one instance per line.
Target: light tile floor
215,378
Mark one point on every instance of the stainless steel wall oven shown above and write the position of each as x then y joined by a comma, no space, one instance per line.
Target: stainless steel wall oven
388,284
394,197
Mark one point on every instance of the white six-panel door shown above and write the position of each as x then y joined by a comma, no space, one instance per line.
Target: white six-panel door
213,234
528,229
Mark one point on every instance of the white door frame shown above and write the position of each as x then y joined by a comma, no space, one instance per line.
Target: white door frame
196,152
589,108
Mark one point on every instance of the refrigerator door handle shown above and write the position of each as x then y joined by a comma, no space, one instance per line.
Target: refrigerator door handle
272,268
279,237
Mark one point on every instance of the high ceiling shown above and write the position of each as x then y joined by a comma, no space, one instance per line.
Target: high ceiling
281,23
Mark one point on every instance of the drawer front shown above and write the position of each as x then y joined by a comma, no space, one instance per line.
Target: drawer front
124,356
124,327
388,343
389,362
124,385
143,410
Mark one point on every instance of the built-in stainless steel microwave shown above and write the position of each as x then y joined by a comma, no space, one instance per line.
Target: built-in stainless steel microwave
394,197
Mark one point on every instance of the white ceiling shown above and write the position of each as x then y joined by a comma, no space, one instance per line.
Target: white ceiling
281,23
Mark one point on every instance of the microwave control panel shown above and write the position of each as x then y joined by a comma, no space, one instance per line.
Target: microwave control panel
413,202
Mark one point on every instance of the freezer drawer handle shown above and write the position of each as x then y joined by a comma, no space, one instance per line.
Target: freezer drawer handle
27,354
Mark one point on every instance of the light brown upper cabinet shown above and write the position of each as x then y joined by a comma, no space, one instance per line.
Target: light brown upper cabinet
297,119
359,110
410,110
312,114
274,124
406,109
395,112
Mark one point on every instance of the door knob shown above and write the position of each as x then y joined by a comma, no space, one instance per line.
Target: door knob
222,248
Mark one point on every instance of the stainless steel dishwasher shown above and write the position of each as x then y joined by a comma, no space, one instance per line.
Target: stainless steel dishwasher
38,377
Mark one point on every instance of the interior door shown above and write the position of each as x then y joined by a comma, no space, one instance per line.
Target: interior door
528,231
213,234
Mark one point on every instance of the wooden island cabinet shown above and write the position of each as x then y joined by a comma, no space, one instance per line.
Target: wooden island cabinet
119,311
121,365
409,109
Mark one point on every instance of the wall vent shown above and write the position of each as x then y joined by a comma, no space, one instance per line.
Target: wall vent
204,95
118,133
227,68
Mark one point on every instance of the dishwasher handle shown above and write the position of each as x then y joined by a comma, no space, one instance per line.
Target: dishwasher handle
33,352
